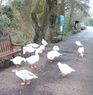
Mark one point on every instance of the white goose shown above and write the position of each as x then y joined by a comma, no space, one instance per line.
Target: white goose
34,58
81,51
56,53
34,45
18,60
78,43
65,69
42,47
55,48
44,42
52,55
25,75
28,49
39,50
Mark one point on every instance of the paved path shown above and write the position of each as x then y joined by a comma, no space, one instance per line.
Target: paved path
49,81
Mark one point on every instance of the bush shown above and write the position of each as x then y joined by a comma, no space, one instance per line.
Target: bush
4,22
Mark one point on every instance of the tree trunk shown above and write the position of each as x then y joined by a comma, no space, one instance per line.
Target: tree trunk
41,31
62,7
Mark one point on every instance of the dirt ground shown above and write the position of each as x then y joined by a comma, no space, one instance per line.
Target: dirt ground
49,81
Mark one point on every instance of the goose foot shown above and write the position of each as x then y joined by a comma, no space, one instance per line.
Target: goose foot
18,65
34,67
81,55
50,61
63,75
23,83
28,82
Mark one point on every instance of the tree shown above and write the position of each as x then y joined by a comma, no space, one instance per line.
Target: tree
41,30
34,17
71,10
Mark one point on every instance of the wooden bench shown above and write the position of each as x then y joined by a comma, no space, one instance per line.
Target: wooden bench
75,30
55,37
7,48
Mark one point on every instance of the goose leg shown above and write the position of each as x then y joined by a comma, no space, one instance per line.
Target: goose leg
17,65
81,55
20,64
34,66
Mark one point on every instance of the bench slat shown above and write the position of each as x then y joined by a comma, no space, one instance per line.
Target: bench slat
9,54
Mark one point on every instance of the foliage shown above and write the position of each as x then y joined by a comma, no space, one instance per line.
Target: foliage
33,18
4,23
6,20
8,11
89,22
22,16
67,33
19,39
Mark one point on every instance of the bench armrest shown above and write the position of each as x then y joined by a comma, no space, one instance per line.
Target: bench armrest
18,45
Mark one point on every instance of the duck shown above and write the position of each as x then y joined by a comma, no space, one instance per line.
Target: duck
25,75
81,51
65,69
56,48
34,59
52,55
78,43
44,42
18,60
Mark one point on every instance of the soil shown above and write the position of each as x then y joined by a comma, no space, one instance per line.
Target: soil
49,81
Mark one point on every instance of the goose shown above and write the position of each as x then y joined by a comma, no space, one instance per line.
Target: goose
65,69
33,59
81,51
78,43
56,53
18,60
39,50
55,48
44,42
52,55
28,49
42,47
25,75
35,45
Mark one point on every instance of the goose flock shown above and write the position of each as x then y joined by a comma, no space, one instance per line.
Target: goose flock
52,55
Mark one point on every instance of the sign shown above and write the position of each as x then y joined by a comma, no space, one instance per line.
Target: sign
61,23
61,20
